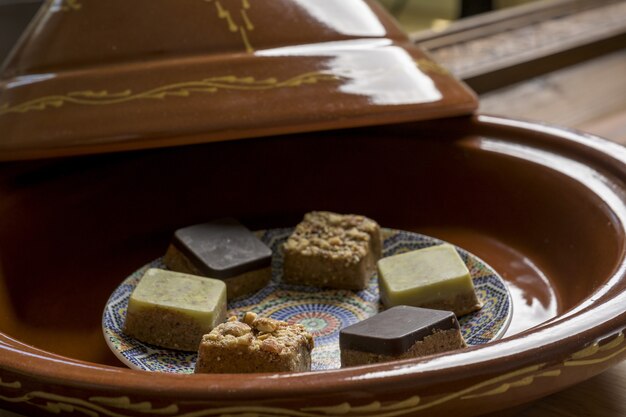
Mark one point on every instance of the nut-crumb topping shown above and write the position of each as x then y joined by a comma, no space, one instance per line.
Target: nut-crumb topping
248,318
332,235
259,333
265,324
235,328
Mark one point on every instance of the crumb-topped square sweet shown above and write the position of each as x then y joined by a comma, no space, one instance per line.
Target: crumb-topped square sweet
174,310
332,250
255,344
399,333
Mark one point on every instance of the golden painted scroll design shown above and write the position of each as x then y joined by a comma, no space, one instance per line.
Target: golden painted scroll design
70,5
115,406
182,89
431,67
236,22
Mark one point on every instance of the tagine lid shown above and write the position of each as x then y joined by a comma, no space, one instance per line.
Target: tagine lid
90,76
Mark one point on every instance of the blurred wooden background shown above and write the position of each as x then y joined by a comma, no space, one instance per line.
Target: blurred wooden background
553,61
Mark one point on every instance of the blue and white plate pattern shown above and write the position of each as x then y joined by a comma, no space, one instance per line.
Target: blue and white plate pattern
324,312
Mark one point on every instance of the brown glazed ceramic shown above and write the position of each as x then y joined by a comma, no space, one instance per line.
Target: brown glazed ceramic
98,76
545,207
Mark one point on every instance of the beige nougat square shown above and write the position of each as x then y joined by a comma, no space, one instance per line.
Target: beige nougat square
332,250
255,344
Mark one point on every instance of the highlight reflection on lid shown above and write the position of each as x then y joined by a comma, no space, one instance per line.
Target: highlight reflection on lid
87,78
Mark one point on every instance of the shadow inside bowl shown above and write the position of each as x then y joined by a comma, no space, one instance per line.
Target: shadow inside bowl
70,229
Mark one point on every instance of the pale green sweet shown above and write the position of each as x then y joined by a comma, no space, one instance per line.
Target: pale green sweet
199,298
433,277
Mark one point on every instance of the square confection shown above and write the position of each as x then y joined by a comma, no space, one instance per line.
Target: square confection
174,310
399,333
255,344
332,250
434,277
223,249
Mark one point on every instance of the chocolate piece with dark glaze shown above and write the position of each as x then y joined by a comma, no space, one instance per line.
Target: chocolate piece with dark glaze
394,331
222,248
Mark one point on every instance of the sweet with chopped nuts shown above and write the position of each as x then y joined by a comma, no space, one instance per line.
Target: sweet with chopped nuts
332,250
255,344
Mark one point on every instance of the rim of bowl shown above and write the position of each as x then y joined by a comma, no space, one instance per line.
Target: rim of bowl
600,315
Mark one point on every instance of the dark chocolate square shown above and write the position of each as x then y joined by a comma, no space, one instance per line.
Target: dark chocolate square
222,248
395,330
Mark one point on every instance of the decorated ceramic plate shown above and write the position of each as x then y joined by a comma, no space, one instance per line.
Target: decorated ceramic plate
323,312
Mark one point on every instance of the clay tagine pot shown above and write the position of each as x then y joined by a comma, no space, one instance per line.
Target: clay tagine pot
112,142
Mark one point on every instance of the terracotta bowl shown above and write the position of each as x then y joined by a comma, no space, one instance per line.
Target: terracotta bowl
545,207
